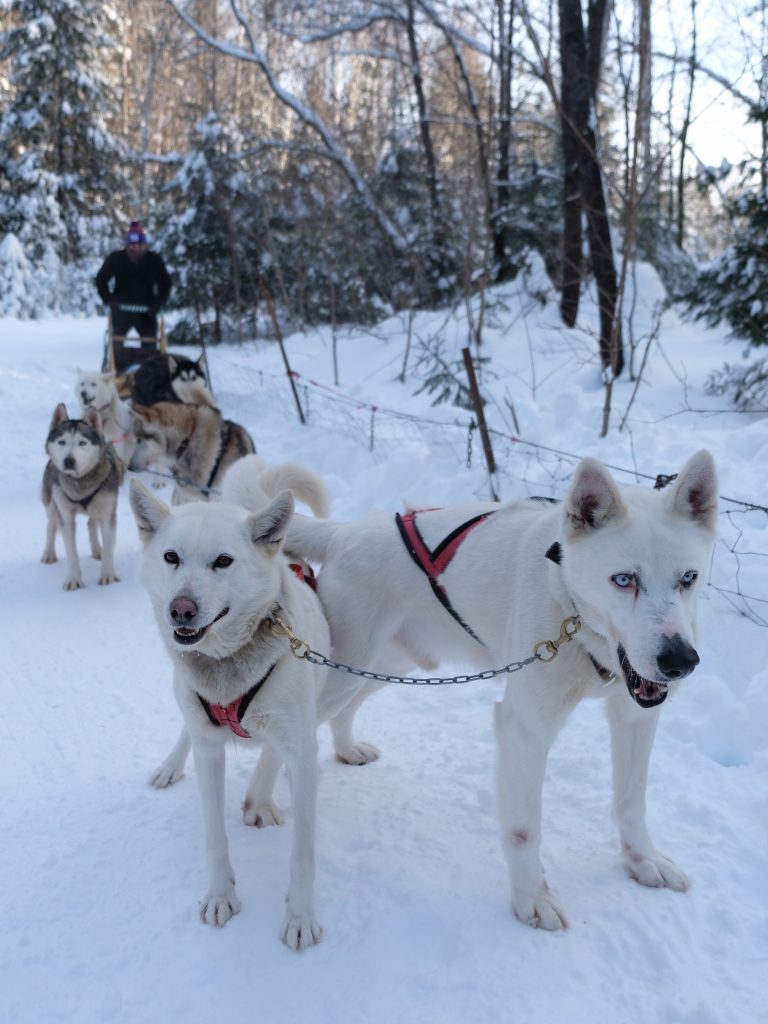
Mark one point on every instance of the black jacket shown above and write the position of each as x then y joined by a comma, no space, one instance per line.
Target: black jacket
146,283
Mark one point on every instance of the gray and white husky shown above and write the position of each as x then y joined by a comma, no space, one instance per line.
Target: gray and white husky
618,568
98,391
82,477
219,582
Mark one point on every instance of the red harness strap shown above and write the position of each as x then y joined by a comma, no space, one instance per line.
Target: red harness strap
232,714
434,563
305,573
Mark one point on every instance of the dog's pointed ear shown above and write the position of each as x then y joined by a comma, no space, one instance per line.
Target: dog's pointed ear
149,512
593,499
269,527
172,365
93,419
694,492
60,414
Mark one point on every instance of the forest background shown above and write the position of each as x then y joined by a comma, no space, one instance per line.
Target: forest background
350,159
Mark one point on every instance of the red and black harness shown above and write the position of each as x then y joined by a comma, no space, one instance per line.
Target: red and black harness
232,714
434,563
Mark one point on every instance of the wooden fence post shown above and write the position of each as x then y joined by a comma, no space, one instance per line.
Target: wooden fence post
477,402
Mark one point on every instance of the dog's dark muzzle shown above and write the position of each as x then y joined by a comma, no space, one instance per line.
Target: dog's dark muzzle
677,659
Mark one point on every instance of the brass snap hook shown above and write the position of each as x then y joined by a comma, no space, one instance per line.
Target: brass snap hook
546,650
299,648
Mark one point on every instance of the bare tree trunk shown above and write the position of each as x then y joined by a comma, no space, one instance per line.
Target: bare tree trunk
505,21
438,227
644,111
680,225
583,184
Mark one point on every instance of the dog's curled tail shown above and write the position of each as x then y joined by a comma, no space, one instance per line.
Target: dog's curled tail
309,539
250,482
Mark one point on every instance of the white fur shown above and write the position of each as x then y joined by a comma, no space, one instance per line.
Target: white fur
98,391
625,556
235,601
251,483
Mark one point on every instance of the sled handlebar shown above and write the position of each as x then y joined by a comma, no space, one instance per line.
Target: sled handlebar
129,308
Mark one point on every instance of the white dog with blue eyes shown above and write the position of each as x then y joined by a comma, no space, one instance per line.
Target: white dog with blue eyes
604,585
223,594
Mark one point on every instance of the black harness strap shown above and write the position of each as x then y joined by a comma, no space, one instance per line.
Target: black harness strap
226,431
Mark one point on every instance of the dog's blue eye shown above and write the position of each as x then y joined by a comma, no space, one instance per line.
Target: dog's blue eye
222,561
624,580
171,558
689,578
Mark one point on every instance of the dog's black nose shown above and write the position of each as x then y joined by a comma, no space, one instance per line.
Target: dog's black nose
69,462
183,609
677,658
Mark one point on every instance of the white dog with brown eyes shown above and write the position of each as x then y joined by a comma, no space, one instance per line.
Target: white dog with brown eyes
616,570
219,583
98,391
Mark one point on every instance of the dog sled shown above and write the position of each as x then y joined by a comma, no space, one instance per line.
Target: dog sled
123,354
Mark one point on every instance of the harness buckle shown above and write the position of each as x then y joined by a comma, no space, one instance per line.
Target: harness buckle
547,650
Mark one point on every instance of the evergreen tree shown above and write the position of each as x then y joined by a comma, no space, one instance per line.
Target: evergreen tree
429,268
734,286
209,231
59,164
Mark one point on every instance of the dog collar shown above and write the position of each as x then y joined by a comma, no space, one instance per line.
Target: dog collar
232,714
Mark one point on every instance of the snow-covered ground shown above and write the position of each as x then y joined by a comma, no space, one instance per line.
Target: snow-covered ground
101,874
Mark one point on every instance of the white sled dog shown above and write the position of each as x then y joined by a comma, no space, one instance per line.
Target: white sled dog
252,483
98,391
218,582
619,568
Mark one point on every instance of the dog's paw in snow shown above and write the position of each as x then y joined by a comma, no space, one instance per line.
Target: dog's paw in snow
541,911
218,908
262,814
358,753
166,775
108,577
300,931
655,870
76,584
48,557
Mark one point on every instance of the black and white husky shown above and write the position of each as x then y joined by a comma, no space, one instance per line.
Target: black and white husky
82,477
169,378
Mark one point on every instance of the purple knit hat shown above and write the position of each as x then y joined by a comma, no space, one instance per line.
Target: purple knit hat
135,233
